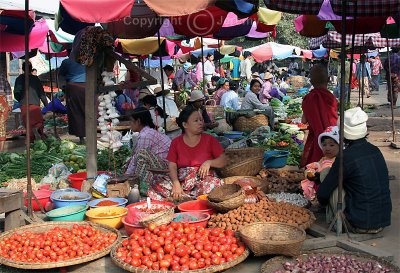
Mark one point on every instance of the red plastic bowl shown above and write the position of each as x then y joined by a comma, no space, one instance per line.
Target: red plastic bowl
129,228
196,206
201,216
153,202
76,179
43,197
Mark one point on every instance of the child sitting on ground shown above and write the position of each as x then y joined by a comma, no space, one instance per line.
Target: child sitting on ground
316,172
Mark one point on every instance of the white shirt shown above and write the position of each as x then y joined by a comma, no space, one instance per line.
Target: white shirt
170,106
245,69
230,100
284,85
209,68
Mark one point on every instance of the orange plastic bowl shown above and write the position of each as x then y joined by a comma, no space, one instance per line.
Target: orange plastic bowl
196,206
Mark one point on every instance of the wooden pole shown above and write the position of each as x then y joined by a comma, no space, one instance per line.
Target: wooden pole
362,65
353,38
390,89
162,79
28,133
202,65
51,85
91,123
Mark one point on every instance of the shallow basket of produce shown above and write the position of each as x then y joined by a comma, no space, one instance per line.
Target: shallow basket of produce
328,261
228,204
224,192
136,254
159,212
102,238
273,238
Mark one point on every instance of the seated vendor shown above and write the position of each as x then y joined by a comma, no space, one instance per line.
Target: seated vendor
367,204
150,151
251,100
157,113
197,100
316,172
56,105
192,158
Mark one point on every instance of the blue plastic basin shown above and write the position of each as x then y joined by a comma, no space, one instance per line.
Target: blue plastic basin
62,198
275,159
233,134
69,213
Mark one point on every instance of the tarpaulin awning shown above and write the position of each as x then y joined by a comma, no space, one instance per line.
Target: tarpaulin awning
273,50
201,23
261,53
227,49
295,6
206,51
319,53
98,11
333,40
67,23
226,33
243,8
59,36
254,34
363,25
310,26
178,7
142,22
13,42
143,46
267,16
12,21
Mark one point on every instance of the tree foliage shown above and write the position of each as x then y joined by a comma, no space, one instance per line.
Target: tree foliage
286,32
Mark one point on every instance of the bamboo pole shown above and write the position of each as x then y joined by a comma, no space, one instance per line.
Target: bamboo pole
51,84
162,79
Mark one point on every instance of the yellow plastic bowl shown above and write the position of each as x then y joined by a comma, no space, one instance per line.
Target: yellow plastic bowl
110,216
202,197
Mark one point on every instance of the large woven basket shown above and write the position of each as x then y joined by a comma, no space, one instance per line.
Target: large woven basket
243,161
244,123
211,269
224,192
45,226
160,218
230,204
273,238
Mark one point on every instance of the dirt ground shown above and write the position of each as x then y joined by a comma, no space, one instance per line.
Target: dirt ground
380,134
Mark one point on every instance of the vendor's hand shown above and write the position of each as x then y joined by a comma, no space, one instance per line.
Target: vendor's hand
204,169
177,190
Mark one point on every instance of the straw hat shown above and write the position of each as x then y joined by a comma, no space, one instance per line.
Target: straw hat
255,74
196,95
268,76
143,93
355,123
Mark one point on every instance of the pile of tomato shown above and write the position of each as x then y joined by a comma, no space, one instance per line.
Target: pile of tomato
57,244
179,247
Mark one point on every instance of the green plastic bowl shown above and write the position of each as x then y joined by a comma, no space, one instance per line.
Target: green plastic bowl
69,213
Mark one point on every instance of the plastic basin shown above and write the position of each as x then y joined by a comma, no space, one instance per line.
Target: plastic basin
110,216
233,134
196,206
186,217
275,159
76,179
70,213
43,197
63,198
129,228
121,202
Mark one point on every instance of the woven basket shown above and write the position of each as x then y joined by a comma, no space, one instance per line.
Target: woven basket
45,226
273,238
297,82
218,111
160,218
276,264
224,192
230,204
244,123
243,161
211,269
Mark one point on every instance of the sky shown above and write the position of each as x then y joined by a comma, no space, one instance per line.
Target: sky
44,6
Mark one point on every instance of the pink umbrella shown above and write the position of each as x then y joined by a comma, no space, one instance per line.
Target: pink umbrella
14,42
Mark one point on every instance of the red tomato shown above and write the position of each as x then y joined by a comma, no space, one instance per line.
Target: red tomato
216,260
176,267
164,264
181,251
184,267
193,265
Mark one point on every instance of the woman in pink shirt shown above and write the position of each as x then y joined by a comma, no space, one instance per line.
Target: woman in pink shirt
266,89
223,87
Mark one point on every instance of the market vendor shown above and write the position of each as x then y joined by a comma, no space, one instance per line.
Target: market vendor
150,151
56,105
222,88
183,78
36,94
197,100
192,158
266,88
319,111
367,199
251,100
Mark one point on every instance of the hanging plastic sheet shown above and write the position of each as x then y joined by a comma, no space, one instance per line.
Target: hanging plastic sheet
242,8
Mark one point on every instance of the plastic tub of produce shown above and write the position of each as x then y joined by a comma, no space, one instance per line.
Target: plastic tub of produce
70,213
193,218
196,206
110,216
129,228
275,159
63,198
43,197
108,202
